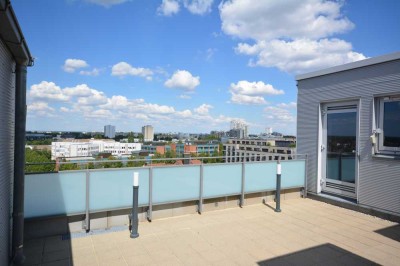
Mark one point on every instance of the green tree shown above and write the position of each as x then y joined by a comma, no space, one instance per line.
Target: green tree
135,163
131,138
170,154
98,136
112,164
68,166
39,142
38,156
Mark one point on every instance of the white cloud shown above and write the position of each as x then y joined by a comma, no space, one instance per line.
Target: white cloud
79,90
107,3
95,98
40,109
210,53
183,79
287,105
94,106
124,69
117,102
282,116
254,88
301,55
184,114
40,106
203,109
65,109
157,109
185,96
270,19
198,7
47,91
168,8
246,99
294,36
245,92
94,72
71,65
101,113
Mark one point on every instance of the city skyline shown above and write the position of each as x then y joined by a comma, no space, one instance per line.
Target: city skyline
188,66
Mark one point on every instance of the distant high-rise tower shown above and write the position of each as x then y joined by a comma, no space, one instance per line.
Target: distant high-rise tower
109,131
239,126
148,133
268,130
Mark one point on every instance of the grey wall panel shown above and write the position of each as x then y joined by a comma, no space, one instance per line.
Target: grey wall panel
7,95
379,179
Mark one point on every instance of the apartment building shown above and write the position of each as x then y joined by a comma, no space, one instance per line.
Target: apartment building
160,149
195,148
148,133
109,131
245,150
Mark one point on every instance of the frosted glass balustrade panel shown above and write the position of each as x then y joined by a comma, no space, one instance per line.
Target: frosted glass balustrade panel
176,183
222,179
49,194
260,176
112,189
293,173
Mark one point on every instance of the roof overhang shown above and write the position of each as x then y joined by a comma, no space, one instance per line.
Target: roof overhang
11,35
345,67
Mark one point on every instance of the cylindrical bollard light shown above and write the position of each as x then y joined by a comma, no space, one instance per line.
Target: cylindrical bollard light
135,218
278,186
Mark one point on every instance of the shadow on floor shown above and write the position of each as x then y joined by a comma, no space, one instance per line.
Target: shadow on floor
326,254
392,232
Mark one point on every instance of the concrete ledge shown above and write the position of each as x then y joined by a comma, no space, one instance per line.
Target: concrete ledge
356,207
48,226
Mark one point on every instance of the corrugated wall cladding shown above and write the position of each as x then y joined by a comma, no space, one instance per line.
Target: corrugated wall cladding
7,97
379,179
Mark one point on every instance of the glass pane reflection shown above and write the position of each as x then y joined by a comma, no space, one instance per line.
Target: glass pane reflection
391,124
341,146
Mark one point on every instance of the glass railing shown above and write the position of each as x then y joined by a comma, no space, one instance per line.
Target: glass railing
95,190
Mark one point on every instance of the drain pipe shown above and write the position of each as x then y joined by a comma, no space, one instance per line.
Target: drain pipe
19,165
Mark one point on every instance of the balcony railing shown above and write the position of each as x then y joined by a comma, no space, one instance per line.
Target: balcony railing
96,190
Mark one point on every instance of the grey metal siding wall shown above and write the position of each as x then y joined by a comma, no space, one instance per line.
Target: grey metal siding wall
379,179
7,95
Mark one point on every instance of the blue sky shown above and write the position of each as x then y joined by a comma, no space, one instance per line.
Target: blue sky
189,66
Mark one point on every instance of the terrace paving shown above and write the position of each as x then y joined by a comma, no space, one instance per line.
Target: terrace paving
306,232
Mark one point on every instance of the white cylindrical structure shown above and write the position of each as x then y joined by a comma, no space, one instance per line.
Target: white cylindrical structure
278,169
135,179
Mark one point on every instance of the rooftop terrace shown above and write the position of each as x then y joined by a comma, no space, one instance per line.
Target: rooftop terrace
306,232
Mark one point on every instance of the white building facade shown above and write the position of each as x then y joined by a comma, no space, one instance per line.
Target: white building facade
92,148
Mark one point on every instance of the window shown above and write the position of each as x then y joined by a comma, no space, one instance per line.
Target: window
388,125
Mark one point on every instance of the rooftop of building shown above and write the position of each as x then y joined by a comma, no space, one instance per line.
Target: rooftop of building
306,232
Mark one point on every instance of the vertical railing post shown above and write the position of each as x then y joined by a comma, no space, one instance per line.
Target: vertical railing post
243,183
87,218
200,208
305,177
150,210
278,186
135,213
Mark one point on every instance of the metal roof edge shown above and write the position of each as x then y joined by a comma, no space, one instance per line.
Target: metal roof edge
349,66
19,49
